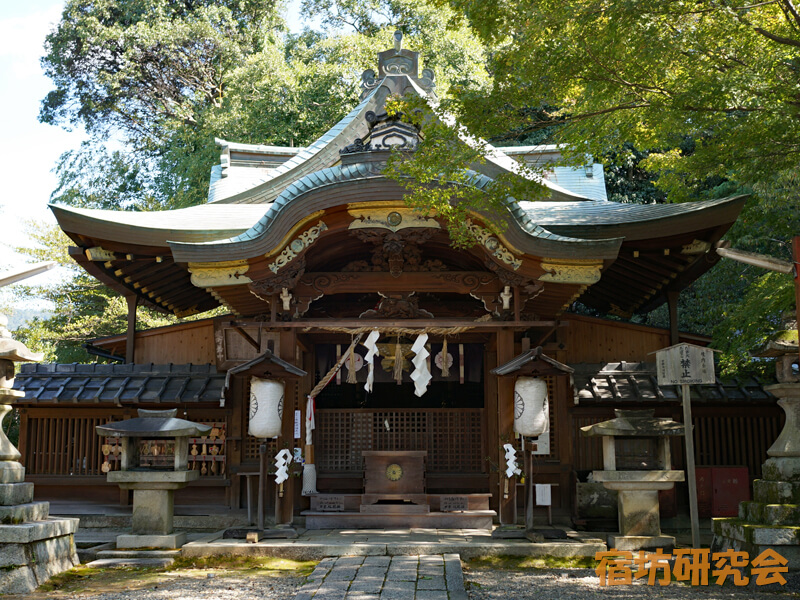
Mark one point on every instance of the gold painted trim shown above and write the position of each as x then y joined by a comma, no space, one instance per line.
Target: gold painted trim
221,274
99,253
295,228
391,218
492,243
571,271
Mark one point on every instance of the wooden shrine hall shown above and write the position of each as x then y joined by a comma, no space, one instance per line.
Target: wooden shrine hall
310,249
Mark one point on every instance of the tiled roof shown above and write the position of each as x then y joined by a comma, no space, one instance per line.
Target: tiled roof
118,384
636,382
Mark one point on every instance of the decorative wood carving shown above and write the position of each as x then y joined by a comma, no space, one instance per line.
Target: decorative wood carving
397,306
296,246
263,288
395,251
493,245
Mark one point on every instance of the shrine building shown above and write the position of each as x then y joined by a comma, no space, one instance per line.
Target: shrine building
308,250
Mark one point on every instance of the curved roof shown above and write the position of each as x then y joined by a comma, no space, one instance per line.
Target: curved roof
323,189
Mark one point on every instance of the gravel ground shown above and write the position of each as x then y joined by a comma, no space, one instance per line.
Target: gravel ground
581,584
177,586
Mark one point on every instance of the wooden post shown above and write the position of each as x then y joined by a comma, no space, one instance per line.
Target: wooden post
262,483
285,501
672,305
692,481
130,344
796,273
505,427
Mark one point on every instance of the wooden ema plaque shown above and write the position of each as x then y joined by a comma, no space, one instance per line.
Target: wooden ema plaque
396,474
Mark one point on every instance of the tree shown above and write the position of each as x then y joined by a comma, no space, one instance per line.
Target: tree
707,93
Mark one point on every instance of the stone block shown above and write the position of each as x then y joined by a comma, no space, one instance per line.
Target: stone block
377,561
770,514
171,540
783,468
152,512
54,556
15,493
23,513
431,594
776,492
431,583
18,581
13,555
11,472
640,542
754,533
30,532
638,513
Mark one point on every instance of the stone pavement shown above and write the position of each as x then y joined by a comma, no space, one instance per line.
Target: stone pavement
427,577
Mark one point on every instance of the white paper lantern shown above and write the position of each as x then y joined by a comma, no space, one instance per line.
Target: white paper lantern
266,407
531,411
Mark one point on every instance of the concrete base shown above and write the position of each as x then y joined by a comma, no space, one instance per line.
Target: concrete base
152,512
638,513
171,540
31,553
640,542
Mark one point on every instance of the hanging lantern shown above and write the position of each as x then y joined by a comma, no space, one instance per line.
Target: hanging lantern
531,412
266,407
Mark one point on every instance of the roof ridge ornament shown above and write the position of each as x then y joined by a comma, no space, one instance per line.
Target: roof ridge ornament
398,61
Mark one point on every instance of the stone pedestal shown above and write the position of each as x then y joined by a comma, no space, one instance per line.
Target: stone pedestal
637,506
772,518
33,547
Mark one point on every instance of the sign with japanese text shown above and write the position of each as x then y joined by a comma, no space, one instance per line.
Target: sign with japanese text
692,567
685,364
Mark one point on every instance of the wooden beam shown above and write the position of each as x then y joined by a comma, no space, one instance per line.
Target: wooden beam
248,338
672,304
312,324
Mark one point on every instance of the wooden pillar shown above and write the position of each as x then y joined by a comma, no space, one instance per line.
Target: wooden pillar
563,439
285,509
490,421
796,261
505,427
237,437
672,305
130,344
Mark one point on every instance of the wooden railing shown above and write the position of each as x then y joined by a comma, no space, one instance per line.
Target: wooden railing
453,438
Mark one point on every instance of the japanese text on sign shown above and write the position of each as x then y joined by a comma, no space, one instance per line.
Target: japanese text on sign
693,566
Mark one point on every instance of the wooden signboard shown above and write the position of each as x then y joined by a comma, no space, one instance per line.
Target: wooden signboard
453,503
685,364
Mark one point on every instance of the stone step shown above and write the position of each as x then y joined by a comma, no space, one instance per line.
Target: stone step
776,492
395,509
24,513
770,514
468,519
138,553
118,563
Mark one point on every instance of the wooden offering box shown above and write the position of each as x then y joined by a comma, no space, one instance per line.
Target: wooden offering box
394,475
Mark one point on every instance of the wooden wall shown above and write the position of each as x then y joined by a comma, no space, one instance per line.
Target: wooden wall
191,343
593,340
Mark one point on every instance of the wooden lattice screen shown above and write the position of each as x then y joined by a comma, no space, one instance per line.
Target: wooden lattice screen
453,438
735,441
718,441
68,445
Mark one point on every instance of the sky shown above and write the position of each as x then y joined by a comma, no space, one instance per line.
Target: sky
30,149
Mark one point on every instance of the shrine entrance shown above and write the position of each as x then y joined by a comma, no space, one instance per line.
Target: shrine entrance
435,444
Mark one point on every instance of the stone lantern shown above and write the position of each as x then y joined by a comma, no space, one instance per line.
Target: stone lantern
153,485
772,519
638,442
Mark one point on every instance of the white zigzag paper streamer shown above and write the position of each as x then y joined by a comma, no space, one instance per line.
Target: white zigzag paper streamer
421,375
372,352
282,461
511,461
